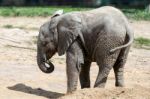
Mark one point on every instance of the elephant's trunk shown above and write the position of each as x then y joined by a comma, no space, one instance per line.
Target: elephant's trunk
44,64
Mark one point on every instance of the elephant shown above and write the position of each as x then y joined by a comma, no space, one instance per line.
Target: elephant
101,35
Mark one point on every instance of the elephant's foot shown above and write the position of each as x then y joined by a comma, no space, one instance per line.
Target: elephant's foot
100,83
119,83
100,86
102,78
71,90
85,85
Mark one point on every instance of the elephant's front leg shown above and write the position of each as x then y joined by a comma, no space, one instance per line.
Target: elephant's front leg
85,74
74,61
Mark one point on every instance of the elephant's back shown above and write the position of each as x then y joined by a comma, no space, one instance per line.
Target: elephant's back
109,10
104,12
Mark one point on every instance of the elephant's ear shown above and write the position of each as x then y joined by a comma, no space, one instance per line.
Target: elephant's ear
68,31
57,13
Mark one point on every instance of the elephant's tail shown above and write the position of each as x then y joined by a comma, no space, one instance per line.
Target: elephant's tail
129,37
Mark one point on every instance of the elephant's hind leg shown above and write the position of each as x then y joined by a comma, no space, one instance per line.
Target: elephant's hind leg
105,65
85,75
104,68
119,67
102,77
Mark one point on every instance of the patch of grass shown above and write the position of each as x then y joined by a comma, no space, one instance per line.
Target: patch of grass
8,26
20,47
142,43
35,11
136,14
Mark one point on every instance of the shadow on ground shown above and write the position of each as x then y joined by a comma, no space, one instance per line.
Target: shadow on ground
37,91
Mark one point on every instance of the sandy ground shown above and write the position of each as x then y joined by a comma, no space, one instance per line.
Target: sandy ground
20,77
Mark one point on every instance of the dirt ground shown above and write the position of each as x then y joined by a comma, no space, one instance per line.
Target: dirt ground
20,77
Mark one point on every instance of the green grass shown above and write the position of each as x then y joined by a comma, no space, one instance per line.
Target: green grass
35,11
8,26
136,14
142,43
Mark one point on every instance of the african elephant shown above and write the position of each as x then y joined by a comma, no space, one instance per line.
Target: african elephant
101,35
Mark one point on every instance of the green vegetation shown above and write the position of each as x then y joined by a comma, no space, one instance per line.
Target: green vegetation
34,11
20,27
8,26
142,43
137,14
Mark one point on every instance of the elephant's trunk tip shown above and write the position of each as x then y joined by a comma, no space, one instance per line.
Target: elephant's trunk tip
46,67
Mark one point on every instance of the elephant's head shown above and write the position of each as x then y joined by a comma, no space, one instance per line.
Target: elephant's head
56,35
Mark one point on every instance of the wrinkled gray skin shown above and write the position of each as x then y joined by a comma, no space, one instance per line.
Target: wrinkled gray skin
102,35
